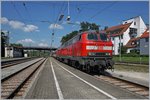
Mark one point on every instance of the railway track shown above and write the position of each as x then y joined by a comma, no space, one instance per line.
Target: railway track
14,62
130,86
16,83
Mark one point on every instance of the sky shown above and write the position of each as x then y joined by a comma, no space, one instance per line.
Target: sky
32,23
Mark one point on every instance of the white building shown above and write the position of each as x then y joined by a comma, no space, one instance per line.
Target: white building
138,26
144,43
121,34
13,52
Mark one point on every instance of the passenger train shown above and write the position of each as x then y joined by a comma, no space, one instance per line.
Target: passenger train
89,51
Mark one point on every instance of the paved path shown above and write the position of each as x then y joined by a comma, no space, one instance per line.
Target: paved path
45,87
60,81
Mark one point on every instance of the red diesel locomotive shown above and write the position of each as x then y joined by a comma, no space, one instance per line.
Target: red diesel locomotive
88,51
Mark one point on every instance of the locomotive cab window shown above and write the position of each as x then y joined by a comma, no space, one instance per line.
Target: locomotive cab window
103,37
79,37
92,36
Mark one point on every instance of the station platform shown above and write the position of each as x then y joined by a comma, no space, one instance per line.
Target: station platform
135,77
11,59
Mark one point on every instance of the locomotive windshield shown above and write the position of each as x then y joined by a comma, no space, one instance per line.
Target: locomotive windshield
92,36
103,37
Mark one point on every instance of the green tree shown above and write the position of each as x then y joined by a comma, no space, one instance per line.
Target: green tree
4,41
106,27
16,44
68,36
93,26
84,26
4,38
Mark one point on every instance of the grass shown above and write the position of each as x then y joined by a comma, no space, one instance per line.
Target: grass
132,59
132,68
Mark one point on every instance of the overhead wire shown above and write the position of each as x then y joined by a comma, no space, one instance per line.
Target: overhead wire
56,21
24,4
17,10
18,13
102,10
60,12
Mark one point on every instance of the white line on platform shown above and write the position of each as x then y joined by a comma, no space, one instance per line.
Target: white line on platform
57,84
88,83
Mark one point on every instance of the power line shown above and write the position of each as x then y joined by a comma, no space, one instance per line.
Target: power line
17,10
59,14
27,11
102,10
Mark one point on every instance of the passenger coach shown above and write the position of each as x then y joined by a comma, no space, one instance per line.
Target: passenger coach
88,51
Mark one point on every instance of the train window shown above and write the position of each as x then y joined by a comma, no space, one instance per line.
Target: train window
103,37
79,37
92,36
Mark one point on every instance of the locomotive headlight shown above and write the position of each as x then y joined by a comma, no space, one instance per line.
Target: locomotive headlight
108,54
91,53
91,47
107,48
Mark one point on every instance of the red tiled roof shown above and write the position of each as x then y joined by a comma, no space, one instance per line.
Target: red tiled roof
145,34
130,45
119,29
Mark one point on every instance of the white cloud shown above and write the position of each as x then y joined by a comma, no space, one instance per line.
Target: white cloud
30,28
77,22
16,24
43,44
58,37
19,25
64,22
55,26
4,20
26,41
43,40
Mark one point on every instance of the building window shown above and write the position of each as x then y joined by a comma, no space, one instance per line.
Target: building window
113,38
133,32
132,43
146,39
138,43
121,44
134,23
122,36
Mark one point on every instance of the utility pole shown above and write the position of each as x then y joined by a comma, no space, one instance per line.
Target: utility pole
68,17
51,42
8,44
120,46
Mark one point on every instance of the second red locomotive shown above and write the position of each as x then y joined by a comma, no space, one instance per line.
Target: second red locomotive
88,51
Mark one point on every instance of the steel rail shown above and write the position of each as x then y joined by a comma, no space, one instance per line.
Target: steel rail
20,85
